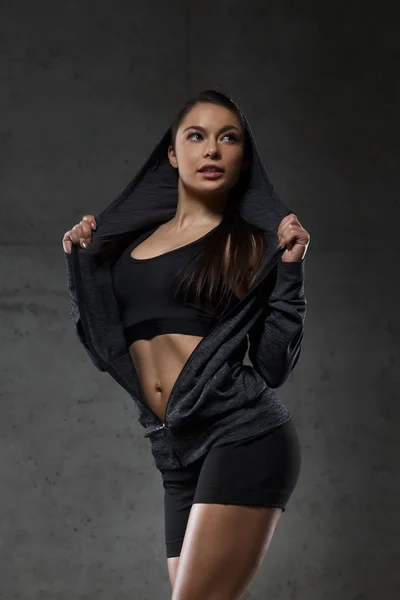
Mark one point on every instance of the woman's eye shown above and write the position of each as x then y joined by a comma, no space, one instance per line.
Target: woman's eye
231,135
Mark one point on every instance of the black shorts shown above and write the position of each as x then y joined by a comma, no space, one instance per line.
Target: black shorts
261,470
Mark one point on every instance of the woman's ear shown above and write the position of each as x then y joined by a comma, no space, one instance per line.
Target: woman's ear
172,157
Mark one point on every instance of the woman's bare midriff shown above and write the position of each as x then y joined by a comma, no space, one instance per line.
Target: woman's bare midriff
159,361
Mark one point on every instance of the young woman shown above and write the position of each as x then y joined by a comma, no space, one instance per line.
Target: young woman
203,206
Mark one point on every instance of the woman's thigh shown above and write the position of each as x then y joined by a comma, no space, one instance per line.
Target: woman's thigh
223,548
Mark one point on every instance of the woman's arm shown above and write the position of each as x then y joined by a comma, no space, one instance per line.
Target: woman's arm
276,337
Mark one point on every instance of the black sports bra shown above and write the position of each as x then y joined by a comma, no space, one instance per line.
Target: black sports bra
145,293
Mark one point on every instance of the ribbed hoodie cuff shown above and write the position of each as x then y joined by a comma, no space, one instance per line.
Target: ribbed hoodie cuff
291,270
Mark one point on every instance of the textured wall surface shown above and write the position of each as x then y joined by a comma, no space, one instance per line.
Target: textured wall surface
86,92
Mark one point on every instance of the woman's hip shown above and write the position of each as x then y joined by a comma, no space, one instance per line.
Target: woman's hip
267,461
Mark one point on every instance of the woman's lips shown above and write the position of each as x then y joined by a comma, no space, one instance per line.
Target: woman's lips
211,174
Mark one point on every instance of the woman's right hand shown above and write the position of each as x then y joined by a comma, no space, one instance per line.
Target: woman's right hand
80,234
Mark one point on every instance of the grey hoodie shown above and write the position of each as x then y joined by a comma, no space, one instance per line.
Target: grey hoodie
215,397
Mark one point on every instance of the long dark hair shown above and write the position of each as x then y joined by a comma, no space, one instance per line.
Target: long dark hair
216,279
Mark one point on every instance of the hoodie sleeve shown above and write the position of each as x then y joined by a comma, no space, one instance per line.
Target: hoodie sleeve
75,314
276,337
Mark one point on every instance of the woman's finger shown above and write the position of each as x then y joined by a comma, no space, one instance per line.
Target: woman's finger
91,220
66,242
290,230
87,231
80,234
74,235
89,224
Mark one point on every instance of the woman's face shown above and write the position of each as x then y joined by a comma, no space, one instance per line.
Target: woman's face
209,134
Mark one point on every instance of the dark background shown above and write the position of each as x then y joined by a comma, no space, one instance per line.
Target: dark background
87,89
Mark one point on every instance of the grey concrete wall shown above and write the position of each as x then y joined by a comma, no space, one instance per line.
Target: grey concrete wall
87,89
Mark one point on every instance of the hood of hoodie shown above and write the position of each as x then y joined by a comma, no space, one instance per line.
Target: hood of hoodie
149,199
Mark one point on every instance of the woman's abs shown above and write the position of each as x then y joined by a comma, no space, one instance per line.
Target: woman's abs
158,363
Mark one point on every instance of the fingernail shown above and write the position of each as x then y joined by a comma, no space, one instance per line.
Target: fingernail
84,244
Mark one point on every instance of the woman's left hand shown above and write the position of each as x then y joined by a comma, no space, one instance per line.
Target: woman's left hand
294,238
